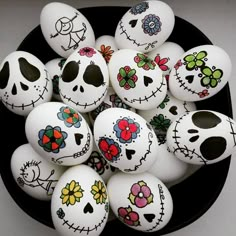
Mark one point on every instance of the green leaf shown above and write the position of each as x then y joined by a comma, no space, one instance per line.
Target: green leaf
200,63
189,58
201,55
190,65
142,56
122,72
131,83
206,71
217,74
122,83
213,83
131,73
141,63
205,81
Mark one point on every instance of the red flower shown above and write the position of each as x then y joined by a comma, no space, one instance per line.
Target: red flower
178,64
128,216
203,94
161,62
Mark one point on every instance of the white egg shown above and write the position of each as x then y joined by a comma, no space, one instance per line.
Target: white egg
34,175
137,79
125,140
65,28
85,79
200,73
202,137
140,201
59,133
24,82
145,26
80,203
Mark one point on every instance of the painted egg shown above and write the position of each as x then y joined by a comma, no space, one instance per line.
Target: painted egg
162,116
34,175
125,140
200,73
106,45
166,56
62,136
137,79
85,79
145,26
79,203
65,28
202,137
54,68
24,82
111,100
140,201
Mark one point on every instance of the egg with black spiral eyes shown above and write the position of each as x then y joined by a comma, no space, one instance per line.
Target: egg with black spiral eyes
202,137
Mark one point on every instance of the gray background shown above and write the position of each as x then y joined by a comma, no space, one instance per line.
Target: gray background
216,19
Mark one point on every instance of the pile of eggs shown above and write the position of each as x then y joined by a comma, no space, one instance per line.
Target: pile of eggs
112,122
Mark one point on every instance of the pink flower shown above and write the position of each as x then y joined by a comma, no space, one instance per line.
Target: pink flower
87,51
128,216
161,62
178,64
203,94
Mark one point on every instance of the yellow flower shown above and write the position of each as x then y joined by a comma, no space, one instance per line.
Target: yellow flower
99,192
71,193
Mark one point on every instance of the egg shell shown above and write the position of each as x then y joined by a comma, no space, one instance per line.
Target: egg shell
85,79
65,28
34,175
54,68
137,79
145,26
59,133
140,201
162,116
106,45
25,82
80,203
200,73
126,140
202,137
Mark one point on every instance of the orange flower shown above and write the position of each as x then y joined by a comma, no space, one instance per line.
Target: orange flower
106,52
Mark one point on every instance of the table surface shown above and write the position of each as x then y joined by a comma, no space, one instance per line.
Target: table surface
216,19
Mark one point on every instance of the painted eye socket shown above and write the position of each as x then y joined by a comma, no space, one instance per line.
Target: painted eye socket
4,75
99,192
70,72
29,71
93,75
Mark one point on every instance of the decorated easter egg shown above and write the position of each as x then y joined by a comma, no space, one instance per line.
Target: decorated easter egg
34,175
125,140
65,28
162,116
59,133
137,79
79,203
145,26
85,79
140,201
202,137
24,82
54,68
106,45
200,73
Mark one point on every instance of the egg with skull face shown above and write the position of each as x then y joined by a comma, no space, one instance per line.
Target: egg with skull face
24,82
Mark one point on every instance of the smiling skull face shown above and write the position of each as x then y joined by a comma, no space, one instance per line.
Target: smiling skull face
24,82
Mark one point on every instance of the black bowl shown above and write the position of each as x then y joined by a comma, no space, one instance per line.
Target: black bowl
191,198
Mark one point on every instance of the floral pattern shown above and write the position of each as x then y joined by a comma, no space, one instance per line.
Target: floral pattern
127,77
106,52
143,61
151,24
99,192
52,139
195,60
126,130
140,194
178,64
60,213
87,51
211,77
203,94
128,216
139,8
161,62
109,148
71,193
160,123
164,102
70,117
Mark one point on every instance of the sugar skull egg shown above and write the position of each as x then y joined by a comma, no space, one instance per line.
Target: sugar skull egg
85,79
106,45
140,201
162,116
79,203
62,136
202,137
24,82
33,174
54,68
65,28
125,140
145,26
137,79
200,73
